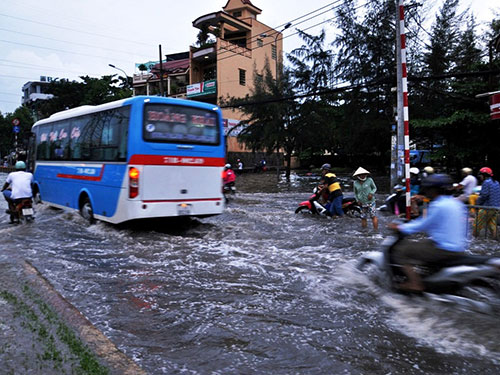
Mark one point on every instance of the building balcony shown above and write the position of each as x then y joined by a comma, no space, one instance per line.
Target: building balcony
231,47
141,77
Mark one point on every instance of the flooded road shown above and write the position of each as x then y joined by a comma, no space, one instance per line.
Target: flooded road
257,290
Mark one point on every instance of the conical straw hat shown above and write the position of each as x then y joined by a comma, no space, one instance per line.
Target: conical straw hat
359,171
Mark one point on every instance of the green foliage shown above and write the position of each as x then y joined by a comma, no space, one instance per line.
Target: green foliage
92,91
6,129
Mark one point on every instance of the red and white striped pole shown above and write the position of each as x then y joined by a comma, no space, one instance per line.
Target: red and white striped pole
404,85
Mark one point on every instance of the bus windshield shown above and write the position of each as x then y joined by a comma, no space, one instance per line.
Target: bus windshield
170,123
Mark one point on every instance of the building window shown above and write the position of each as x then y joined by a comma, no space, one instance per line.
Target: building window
260,43
273,51
243,74
237,14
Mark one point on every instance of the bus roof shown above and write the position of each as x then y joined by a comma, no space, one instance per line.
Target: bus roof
87,109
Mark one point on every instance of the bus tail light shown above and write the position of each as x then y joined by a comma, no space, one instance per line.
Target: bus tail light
133,182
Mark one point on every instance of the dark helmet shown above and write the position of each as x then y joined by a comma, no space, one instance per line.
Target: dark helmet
440,181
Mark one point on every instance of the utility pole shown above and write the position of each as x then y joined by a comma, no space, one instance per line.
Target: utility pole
403,128
161,73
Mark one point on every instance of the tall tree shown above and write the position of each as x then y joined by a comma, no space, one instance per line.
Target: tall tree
6,129
271,115
366,59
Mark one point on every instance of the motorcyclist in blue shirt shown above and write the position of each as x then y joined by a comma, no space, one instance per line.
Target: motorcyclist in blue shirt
445,224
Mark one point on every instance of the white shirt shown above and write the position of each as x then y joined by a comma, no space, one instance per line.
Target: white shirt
20,183
469,183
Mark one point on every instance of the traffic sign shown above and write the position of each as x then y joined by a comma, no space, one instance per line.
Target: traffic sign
16,122
16,129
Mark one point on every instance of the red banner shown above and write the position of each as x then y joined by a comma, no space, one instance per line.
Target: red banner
495,107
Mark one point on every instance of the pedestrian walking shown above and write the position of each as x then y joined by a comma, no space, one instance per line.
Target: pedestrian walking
364,191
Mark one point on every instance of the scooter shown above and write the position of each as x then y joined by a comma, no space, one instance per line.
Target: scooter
395,203
312,205
21,211
471,282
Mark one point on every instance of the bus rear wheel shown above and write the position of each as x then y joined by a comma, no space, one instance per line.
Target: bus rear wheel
86,210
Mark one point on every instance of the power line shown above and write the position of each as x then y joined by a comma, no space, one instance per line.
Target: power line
8,101
66,41
75,30
374,83
38,67
274,30
60,50
297,32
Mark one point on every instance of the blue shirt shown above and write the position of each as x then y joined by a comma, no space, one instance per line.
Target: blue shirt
445,223
490,194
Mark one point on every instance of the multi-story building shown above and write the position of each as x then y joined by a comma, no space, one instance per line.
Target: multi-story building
36,90
232,45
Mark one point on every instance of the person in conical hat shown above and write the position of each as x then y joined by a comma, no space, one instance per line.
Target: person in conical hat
364,191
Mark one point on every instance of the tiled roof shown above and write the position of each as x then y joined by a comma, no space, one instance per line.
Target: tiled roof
176,66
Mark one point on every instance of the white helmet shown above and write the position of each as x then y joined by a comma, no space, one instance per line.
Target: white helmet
227,166
414,170
466,171
429,170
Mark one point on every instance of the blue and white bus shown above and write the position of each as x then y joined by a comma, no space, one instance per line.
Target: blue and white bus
136,158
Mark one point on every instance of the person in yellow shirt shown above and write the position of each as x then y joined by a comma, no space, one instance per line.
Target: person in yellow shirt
332,184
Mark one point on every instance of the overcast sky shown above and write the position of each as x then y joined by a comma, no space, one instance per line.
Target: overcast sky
70,38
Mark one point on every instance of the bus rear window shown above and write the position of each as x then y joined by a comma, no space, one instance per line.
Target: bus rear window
177,124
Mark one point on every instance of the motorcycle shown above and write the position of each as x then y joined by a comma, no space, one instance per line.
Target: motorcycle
395,203
313,205
21,211
229,191
471,282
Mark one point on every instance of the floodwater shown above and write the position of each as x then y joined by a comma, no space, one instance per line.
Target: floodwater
256,290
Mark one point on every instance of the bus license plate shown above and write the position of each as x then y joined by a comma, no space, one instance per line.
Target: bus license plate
183,209
27,211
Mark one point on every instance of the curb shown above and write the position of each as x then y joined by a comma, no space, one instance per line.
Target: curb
110,356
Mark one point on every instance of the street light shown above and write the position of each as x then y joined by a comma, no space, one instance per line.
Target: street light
123,71
264,35
276,45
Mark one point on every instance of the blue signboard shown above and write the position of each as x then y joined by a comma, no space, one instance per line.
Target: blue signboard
16,129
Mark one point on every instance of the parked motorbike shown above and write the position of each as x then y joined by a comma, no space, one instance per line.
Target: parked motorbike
471,282
313,205
395,203
21,211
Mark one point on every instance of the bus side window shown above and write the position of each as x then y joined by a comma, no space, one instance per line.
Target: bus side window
122,119
60,141
120,123
77,126
42,142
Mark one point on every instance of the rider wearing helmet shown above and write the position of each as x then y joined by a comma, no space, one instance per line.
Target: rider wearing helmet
428,171
20,184
467,185
228,176
332,184
445,224
414,181
489,197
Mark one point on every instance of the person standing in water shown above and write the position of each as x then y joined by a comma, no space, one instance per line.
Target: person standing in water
364,191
